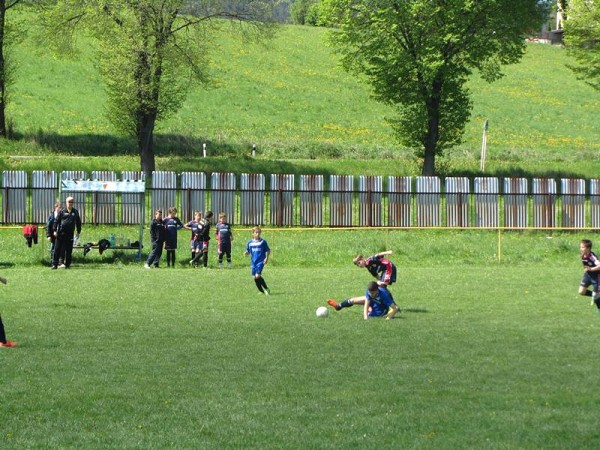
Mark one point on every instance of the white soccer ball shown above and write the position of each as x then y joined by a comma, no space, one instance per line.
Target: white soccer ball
322,311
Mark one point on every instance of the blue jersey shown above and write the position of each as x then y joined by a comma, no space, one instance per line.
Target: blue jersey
380,304
258,251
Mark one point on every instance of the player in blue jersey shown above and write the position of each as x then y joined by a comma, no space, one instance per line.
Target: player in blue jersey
195,240
172,226
591,270
224,238
378,266
259,252
377,302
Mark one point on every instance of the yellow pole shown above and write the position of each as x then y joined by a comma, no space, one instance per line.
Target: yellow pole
499,244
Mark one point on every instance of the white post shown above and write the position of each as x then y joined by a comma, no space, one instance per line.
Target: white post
253,150
204,150
483,146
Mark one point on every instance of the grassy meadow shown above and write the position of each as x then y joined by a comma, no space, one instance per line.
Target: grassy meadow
485,353
290,97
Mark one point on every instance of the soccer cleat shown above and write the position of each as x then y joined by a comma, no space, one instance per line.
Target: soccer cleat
267,291
62,266
52,267
335,305
146,266
8,344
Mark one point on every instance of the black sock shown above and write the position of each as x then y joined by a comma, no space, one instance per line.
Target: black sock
346,303
263,283
258,284
588,293
2,334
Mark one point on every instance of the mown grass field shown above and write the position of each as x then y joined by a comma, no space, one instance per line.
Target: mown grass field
485,354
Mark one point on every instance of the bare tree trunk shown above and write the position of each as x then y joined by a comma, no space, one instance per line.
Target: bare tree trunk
2,70
146,144
433,129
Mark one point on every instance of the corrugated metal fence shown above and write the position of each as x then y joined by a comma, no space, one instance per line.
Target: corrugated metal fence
313,201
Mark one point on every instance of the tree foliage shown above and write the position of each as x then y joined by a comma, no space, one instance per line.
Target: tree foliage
151,52
418,55
582,38
10,33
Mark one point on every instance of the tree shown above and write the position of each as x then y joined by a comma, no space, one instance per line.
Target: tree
6,67
418,55
582,39
150,52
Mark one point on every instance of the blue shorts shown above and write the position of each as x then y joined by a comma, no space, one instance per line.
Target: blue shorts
590,278
195,245
257,268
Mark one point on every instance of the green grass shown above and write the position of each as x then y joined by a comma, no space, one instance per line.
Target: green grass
485,354
145,359
291,98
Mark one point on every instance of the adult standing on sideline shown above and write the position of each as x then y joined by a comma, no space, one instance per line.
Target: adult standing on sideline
66,226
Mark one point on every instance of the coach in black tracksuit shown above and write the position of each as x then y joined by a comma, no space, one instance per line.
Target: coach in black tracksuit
66,226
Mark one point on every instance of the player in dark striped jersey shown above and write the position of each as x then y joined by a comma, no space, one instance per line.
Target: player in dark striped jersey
378,266
591,269
224,238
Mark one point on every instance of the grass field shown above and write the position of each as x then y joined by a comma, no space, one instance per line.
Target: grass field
484,354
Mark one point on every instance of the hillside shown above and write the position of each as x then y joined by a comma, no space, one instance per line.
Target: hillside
290,98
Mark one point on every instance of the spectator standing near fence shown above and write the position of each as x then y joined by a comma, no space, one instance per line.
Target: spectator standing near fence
50,231
259,252
67,227
157,239
224,239
172,226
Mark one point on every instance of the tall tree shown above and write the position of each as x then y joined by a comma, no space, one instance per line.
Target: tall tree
418,55
6,67
582,39
151,52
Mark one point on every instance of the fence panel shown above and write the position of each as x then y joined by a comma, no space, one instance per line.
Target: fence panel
14,206
428,201
79,197
399,201
131,213
223,190
103,203
595,203
573,202
44,192
193,188
282,200
252,199
370,190
515,202
164,191
340,199
486,202
311,200
457,201
544,202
